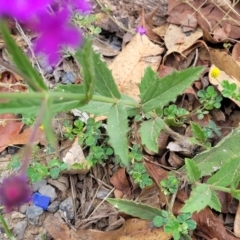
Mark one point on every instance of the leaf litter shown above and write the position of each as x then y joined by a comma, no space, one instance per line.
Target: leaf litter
182,40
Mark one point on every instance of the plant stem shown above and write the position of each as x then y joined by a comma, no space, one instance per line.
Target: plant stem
65,96
6,228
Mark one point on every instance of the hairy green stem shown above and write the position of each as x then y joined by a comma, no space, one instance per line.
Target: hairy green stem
32,138
65,96
6,228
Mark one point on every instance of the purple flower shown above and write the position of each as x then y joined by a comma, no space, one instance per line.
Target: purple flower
55,31
14,191
141,30
22,10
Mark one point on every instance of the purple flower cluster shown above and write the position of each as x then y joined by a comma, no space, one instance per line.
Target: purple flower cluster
14,191
53,24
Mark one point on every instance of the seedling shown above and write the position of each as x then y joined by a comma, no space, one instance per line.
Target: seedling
90,136
174,115
209,99
230,90
37,171
177,226
169,185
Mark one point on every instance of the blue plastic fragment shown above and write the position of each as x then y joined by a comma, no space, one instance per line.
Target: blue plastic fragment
40,200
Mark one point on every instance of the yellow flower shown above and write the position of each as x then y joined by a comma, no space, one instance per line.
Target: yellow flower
41,127
215,72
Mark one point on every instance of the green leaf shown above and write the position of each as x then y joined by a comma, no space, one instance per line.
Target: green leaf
150,131
149,78
54,172
105,84
158,221
54,163
183,217
191,224
117,128
31,75
198,132
227,174
193,171
14,163
103,108
200,197
135,209
158,92
213,159
29,103
46,113
85,57
64,166
215,203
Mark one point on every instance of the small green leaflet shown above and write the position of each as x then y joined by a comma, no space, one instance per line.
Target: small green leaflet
200,197
32,77
215,203
193,171
85,57
105,84
158,92
150,131
117,128
198,132
135,209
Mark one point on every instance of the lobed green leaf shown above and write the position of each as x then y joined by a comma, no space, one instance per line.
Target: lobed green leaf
117,128
158,92
32,77
193,171
198,132
150,131
85,57
213,159
200,197
105,84
227,173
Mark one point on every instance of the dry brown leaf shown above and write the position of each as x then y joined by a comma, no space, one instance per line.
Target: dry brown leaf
75,155
23,138
207,222
9,130
129,66
161,31
221,33
182,14
133,229
225,62
236,52
174,33
164,70
119,181
212,16
146,22
223,76
223,4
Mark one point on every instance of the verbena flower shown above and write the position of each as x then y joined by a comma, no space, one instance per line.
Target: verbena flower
141,30
22,10
215,72
54,29
14,191
54,32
